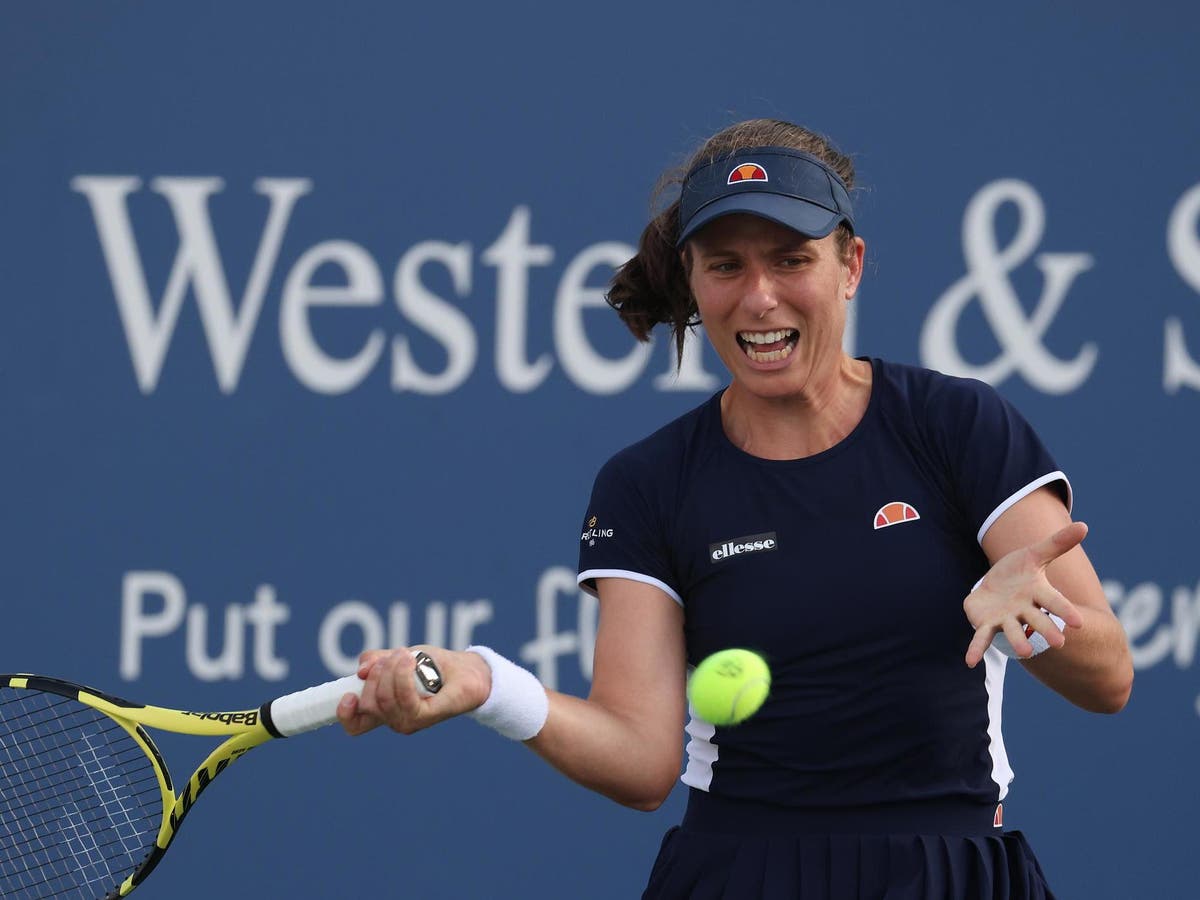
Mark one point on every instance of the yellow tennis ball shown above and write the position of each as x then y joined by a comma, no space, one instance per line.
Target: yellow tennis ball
729,686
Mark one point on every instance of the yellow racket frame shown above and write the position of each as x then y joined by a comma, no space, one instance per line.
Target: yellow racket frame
244,730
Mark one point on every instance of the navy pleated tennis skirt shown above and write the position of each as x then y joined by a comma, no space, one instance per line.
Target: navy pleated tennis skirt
735,850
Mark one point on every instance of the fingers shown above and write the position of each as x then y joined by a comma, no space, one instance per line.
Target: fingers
979,644
1017,631
1013,631
368,659
1015,597
390,694
1018,638
354,722
1066,538
1042,624
1048,598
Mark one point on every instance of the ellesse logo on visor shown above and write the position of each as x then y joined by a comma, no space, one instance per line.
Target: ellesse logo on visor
753,543
747,172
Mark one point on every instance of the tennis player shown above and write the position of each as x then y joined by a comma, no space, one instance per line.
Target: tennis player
886,536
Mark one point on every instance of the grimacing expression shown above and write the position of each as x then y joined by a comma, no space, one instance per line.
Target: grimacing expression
773,302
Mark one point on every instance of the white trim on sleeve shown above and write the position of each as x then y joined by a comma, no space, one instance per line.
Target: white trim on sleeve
631,576
1021,495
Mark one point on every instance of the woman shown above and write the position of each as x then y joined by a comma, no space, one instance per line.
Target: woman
876,767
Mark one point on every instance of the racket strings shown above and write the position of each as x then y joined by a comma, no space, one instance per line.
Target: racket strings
80,803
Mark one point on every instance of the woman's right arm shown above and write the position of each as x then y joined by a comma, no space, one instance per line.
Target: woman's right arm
624,741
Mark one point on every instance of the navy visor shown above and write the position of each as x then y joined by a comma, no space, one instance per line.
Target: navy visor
787,186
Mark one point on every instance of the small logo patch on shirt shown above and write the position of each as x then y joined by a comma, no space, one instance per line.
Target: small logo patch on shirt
752,543
591,532
895,513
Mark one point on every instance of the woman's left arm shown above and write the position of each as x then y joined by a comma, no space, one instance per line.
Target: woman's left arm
1037,563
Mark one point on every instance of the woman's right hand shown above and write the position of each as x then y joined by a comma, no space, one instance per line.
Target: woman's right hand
390,696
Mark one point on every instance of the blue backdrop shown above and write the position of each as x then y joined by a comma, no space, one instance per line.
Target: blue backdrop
303,349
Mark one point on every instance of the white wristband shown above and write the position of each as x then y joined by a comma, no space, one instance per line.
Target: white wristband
1040,644
518,706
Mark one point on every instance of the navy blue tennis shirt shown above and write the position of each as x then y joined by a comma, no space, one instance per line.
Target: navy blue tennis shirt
846,570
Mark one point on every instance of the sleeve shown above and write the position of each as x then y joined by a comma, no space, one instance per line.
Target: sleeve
622,535
996,456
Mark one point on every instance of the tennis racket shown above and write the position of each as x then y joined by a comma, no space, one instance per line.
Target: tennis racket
87,806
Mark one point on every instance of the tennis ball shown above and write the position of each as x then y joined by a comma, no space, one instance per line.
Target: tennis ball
729,686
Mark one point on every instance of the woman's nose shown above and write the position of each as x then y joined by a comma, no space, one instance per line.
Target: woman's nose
760,298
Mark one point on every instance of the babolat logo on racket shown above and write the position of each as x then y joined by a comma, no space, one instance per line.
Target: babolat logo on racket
754,543
249,717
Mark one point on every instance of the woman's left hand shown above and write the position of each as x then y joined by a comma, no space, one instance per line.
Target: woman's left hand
1015,592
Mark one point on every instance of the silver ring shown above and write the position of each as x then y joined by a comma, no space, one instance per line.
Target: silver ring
428,673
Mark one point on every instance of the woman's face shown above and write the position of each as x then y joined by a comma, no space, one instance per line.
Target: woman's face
773,302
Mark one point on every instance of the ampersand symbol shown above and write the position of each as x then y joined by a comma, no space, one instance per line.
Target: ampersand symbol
988,267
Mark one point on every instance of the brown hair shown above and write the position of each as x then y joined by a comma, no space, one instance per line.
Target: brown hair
652,287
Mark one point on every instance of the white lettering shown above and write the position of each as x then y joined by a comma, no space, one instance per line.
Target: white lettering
1180,370
545,649
435,624
1139,610
398,625
197,265
1183,237
332,648
512,255
690,375
364,287
465,616
1185,616
228,662
444,322
229,322
728,548
138,623
350,614
587,368
265,614
1020,337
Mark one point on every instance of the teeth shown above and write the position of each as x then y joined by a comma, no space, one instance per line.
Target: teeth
770,356
764,337
751,339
